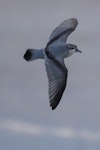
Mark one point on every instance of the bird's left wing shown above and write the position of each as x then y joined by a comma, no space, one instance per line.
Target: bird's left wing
63,30
57,77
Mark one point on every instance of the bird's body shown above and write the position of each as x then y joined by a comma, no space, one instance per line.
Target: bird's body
53,54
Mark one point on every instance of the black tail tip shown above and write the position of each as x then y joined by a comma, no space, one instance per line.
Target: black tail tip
27,56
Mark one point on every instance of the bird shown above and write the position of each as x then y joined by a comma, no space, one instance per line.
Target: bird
54,53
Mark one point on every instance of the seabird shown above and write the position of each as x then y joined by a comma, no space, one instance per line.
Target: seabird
53,54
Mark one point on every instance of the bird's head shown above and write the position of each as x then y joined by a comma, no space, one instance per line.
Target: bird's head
73,49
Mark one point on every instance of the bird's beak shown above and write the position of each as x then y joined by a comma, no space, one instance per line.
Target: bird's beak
77,50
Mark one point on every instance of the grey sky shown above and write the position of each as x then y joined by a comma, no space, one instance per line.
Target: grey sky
24,86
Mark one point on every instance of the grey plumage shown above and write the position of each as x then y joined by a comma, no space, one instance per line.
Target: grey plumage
54,53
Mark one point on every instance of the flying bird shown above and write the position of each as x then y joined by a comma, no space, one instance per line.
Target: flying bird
54,53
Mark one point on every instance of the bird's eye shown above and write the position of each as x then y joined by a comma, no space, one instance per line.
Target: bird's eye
72,47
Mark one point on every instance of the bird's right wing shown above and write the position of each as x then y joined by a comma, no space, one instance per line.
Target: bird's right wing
63,30
57,77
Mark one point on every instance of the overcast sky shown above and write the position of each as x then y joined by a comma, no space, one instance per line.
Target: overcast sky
24,103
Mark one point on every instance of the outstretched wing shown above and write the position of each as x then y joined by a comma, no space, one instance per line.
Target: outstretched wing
63,30
57,77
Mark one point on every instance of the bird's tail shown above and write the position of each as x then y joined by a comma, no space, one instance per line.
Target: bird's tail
32,54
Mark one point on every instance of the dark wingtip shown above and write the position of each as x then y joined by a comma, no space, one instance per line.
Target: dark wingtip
53,108
27,56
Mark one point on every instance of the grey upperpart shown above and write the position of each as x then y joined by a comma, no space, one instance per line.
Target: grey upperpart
53,54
